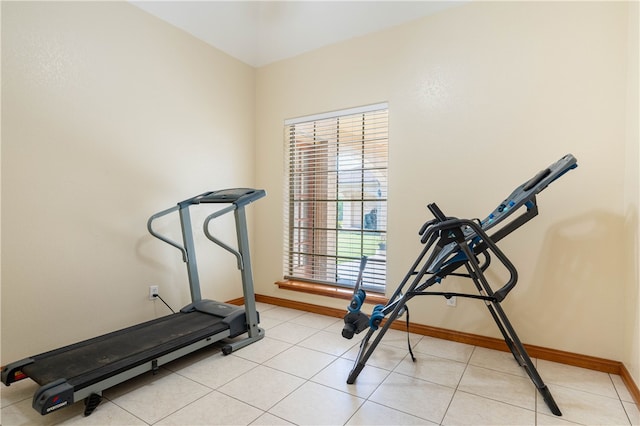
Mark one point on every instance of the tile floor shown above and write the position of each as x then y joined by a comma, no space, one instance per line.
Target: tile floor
297,375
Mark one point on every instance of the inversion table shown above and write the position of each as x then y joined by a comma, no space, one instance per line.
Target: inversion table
449,245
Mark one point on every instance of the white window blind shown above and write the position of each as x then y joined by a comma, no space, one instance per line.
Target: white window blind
336,209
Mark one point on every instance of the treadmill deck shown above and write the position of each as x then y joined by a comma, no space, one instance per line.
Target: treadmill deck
85,363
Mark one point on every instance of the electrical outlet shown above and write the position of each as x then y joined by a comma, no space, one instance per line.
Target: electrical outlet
452,301
153,292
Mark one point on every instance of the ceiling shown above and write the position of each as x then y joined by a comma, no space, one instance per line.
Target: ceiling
262,32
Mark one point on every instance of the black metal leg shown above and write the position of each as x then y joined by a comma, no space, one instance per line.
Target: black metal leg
510,337
551,403
520,354
362,357
353,375
366,349
91,403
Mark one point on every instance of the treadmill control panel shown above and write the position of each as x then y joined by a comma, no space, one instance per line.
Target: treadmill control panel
237,196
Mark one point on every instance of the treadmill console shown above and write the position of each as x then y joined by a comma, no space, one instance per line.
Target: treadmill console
237,196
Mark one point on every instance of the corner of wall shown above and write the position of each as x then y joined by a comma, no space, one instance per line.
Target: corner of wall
632,195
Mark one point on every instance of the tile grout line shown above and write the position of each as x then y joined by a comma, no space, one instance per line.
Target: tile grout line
620,399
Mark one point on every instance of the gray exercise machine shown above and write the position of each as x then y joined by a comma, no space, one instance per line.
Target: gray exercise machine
81,371
450,245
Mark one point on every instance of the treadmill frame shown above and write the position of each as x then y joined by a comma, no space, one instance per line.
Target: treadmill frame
59,393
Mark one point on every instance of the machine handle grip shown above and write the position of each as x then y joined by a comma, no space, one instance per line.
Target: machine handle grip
363,263
219,242
162,237
437,213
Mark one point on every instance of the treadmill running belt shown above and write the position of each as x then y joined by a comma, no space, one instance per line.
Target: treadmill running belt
88,362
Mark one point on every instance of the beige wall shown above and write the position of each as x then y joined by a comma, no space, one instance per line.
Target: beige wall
108,116
481,97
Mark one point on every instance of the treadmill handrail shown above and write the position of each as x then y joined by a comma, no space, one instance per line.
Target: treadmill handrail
237,196
185,257
225,246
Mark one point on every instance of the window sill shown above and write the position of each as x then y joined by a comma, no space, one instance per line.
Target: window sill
330,291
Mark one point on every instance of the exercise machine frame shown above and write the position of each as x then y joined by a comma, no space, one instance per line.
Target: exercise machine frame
449,245
81,371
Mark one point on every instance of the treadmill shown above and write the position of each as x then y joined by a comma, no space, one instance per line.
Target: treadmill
81,371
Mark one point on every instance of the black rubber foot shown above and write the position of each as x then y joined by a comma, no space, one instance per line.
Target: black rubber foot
551,403
353,375
91,403
227,349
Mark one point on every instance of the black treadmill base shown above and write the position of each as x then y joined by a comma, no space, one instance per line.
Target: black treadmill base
90,361
82,370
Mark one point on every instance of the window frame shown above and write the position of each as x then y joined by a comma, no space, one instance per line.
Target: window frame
376,270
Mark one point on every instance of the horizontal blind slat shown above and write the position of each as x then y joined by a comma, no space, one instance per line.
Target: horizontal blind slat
336,210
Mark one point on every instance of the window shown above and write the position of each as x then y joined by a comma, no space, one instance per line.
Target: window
336,210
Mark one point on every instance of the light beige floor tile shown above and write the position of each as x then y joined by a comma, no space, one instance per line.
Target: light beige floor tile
384,356
467,409
314,404
460,352
499,386
263,307
280,313
432,369
107,413
551,420
213,409
189,359
262,387
327,342
585,407
337,324
414,396
21,413
262,350
291,333
135,383
337,327
621,388
398,338
497,360
335,375
633,412
577,378
217,370
318,321
300,362
158,397
18,391
268,419
375,414
267,323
